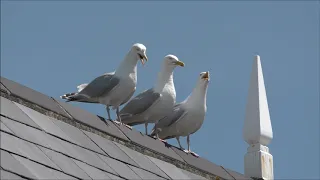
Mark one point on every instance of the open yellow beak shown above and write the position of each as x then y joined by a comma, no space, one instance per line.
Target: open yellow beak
206,76
179,63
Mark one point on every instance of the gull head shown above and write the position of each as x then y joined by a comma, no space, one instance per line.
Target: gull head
173,61
204,77
140,51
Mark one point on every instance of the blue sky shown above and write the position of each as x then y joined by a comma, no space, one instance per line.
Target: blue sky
54,46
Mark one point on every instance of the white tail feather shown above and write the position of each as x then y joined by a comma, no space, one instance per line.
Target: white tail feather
81,87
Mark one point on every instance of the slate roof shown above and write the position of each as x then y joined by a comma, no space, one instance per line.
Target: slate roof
44,138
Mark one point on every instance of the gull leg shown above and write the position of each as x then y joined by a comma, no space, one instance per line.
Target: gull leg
146,127
164,141
193,153
188,143
119,118
118,121
118,115
178,139
108,111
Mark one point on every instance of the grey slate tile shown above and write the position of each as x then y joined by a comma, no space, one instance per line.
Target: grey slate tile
121,168
25,149
86,156
237,175
4,127
9,163
94,173
4,89
110,148
34,135
142,160
146,141
113,177
8,175
78,137
144,174
171,170
203,164
25,132
44,122
32,96
40,171
192,175
9,109
92,120
65,163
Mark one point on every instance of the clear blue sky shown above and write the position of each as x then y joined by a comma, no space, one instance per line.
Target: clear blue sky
54,46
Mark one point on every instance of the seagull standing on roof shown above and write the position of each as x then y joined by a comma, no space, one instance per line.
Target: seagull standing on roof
186,117
153,104
114,88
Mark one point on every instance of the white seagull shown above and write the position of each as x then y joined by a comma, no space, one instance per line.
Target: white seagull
114,88
153,104
186,117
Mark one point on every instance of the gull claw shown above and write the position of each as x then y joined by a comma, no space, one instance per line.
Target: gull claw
164,141
190,152
130,127
194,154
119,123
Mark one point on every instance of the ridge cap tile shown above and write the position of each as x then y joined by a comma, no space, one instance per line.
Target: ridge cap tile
150,143
91,120
33,96
203,164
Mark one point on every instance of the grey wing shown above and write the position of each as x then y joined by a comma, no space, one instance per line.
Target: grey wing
176,114
100,85
130,95
141,102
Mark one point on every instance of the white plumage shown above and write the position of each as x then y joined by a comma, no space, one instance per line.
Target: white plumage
186,117
154,103
115,88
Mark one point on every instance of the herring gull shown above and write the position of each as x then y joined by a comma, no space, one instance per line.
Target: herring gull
154,103
114,88
186,117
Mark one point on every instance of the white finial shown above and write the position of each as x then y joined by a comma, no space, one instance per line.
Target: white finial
257,131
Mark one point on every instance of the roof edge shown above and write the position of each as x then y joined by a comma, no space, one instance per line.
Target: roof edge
129,144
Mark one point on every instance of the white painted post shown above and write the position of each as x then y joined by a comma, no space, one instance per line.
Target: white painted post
257,130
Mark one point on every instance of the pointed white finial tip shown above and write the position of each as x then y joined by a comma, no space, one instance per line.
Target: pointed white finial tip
257,57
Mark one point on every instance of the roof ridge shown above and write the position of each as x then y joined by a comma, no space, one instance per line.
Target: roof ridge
181,160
